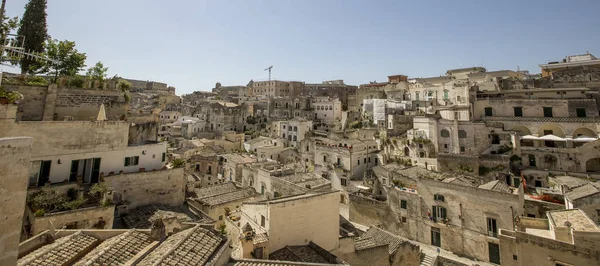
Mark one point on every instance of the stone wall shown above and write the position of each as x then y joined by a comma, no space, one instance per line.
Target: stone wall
367,211
165,187
88,218
50,103
31,108
67,137
141,133
14,174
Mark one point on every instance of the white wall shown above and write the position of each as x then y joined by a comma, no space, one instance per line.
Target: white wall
112,161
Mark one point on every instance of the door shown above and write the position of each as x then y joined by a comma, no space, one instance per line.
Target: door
44,173
494,251
436,238
74,170
95,170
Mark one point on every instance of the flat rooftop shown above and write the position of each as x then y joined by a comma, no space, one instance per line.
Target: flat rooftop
577,218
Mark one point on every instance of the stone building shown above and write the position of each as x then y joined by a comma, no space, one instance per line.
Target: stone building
450,213
230,166
289,221
294,131
565,237
76,150
571,61
354,156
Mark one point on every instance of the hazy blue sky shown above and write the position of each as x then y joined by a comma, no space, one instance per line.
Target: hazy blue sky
192,44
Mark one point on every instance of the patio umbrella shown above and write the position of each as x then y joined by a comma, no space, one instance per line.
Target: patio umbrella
101,114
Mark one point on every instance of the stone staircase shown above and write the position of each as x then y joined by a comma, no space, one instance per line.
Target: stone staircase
428,259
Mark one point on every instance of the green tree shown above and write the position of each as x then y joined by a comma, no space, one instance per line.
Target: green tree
178,163
69,60
97,72
34,29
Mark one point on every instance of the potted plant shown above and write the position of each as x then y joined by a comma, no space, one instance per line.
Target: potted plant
10,97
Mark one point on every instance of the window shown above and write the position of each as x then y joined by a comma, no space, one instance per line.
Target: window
456,115
283,126
462,134
220,217
518,111
416,96
462,148
445,146
262,220
580,112
420,145
358,162
129,161
488,111
164,156
404,219
295,128
547,111
343,181
365,160
439,213
422,154
438,197
403,204
445,94
445,133
492,227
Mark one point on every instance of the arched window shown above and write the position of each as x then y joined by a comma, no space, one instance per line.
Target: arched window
445,133
462,134
295,128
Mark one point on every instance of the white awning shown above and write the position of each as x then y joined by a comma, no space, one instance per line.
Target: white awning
584,139
529,137
363,187
552,138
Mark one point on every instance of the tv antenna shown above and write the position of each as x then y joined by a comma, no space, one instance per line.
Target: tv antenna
269,68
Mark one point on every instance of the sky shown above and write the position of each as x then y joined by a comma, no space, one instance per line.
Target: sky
192,44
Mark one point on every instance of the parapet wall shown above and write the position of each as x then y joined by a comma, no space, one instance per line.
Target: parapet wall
67,137
165,187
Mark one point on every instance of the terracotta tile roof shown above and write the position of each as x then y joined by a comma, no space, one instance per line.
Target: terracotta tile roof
193,246
63,251
375,237
496,185
260,238
297,253
142,217
214,190
584,191
228,197
117,250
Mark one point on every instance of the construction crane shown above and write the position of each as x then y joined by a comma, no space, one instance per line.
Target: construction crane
269,68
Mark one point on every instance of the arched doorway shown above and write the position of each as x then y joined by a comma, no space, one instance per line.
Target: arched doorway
593,165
